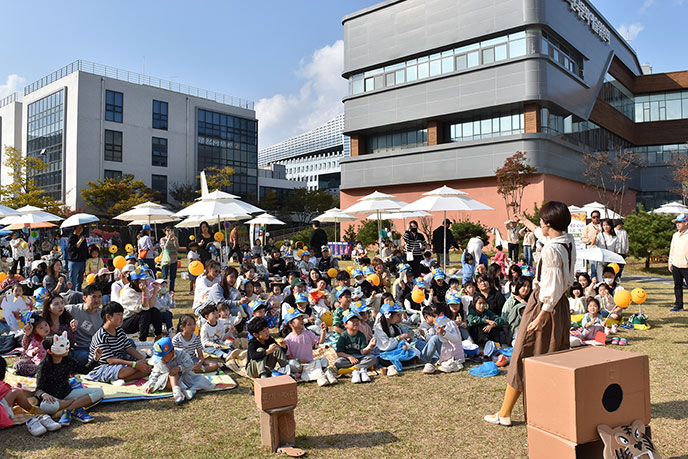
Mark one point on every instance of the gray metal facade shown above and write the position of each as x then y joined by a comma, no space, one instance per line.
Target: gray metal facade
397,30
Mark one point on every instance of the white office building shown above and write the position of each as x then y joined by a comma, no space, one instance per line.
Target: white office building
88,122
312,157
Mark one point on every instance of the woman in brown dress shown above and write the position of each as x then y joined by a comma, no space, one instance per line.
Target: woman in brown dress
546,320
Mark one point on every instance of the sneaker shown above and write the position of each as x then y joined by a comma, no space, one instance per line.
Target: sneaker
675,309
322,380
118,382
364,376
331,377
615,340
496,419
82,416
178,395
615,328
392,370
623,342
66,418
429,369
607,331
234,355
502,360
355,377
47,422
189,394
448,366
35,427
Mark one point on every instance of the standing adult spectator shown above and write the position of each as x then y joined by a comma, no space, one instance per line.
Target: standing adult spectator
145,245
19,254
528,245
589,237
204,240
234,247
170,250
438,241
88,321
77,253
414,245
622,236
678,259
513,238
318,239
606,240
546,319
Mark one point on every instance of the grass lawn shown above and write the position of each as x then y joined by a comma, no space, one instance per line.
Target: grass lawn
413,415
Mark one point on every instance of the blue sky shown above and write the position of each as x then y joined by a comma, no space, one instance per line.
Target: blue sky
285,55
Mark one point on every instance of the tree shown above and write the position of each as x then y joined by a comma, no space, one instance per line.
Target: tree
367,232
512,179
649,234
680,175
425,227
464,230
113,196
609,172
535,216
22,190
350,234
304,205
218,178
184,194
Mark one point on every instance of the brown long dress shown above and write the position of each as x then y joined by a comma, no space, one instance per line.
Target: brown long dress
552,337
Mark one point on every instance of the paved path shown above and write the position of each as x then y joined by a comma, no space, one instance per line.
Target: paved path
648,279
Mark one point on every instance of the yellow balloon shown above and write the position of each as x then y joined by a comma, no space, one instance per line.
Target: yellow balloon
113,249
349,269
305,247
158,259
192,237
119,262
332,273
91,278
196,268
622,298
418,295
3,277
129,248
638,295
327,318
299,252
158,275
373,279
24,244
219,237
615,267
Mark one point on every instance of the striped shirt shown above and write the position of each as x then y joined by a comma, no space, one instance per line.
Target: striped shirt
189,346
113,347
415,242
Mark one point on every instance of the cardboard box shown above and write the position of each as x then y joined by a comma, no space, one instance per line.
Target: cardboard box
277,428
275,392
570,393
544,445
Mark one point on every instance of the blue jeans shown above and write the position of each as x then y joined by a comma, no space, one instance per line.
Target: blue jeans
528,255
431,351
76,273
593,269
169,272
166,317
81,355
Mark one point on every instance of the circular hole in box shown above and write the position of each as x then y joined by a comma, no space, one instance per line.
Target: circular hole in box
612,397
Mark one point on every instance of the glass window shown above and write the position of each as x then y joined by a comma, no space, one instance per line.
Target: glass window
159,115
114,106
505,125
673,109
488,56
447,64
357,86
461,62
486,128
423,70
389,79
159,185
399,76
159,150
500,52
473,59
369,84
113,145
111,174
412,73
435,67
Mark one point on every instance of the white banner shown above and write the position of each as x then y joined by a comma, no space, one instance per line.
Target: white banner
578,222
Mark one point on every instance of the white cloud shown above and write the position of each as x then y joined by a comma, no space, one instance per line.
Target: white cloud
630,32
318,100
647,4
14,83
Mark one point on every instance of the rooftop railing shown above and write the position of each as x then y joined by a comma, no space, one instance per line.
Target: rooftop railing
14,97
136,78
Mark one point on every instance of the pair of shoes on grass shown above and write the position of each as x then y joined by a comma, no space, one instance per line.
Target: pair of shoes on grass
39,425
360,376
327,378
180,395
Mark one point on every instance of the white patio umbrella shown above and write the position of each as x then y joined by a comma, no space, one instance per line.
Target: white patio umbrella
575,209
7,211
600,255
671,208
335,215
149,204
38,215
265,219
223,196
445,199
147,214
590,207
79,219
190,222
399,215
376,202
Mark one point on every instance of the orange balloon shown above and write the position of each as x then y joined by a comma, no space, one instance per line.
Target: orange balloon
91,278
119,262
3,276
196,268
332,273
623,298
638,295
418,295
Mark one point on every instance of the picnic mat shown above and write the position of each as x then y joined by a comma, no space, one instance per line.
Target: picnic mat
238,366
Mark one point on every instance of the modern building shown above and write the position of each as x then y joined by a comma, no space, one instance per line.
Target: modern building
312,157
443,91
273,179
89,121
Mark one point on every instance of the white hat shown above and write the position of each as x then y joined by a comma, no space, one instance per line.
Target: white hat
128,268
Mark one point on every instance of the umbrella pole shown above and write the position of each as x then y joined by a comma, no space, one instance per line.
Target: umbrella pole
379,226
445,241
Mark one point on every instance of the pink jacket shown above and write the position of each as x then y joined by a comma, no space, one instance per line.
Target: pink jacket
5,420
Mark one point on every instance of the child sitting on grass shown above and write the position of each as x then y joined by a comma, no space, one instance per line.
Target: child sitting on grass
52,382
300,343
13,304
427,327
264,354
93,263
191,257
32,343
483,324
227,323
445,348
364,313
389,335
164,303
212,336
458,312
608,308
577,299
354,350
174,370
115,365
187,340
343,304
592,320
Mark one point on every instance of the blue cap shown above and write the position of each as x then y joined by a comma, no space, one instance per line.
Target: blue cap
419,281
138,274
341,290
388,308
361,308
454,298
147,227
401,267
351,314
356,272
368,270
681,218
131,256
439,274
301,298
256,304
161,348
39,294
304,253
527,271
292,314
442,321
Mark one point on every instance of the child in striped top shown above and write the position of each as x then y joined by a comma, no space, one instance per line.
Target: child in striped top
187,339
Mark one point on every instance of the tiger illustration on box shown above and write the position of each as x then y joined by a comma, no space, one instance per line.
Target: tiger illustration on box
627,442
